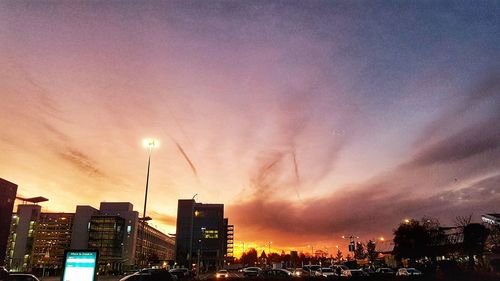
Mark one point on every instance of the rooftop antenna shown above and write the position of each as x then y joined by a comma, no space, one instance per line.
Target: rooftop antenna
194,196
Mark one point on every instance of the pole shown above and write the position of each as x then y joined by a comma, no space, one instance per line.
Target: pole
143,236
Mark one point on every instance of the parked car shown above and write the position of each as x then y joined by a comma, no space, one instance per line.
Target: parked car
222,274
325,272
181,273
275,273
339,269
310,270
150,275
3,273
384,271
408,272
354,273
251,271
299,272
22,277
369,271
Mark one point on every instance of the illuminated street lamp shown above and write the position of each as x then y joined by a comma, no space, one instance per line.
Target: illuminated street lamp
149,144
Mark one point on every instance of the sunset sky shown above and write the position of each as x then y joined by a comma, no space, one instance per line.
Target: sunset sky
309,120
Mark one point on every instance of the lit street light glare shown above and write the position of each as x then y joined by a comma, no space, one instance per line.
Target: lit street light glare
150,143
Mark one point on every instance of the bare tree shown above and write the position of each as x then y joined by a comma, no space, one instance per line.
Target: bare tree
463,221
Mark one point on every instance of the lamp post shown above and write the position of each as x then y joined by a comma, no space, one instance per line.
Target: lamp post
149,144
351,242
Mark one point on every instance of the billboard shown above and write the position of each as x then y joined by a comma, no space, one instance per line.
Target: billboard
80,265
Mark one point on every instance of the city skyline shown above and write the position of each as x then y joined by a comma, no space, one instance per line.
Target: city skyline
309,121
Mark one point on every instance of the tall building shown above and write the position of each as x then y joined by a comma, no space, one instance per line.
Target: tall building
21,238
116,231
201,238
8,192
52,236
81,226
37,240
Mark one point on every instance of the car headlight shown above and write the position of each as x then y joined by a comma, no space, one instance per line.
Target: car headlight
218,275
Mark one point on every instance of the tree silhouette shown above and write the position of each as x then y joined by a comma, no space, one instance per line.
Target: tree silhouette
475,236
411,239
359,252
339,256
371,250
250,257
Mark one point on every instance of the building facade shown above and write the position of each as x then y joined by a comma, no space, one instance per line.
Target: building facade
37,240
154,247
51,237
21,238
8,191
491,219
202,235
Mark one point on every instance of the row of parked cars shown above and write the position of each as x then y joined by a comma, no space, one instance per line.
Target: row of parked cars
319,271
151,274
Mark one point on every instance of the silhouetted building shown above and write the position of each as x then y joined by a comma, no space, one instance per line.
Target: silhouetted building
8,192
493,219
201,237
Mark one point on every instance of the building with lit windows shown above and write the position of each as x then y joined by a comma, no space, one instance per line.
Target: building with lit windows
37,240
115,230
158,247
8,193
21,238
202,235
229,245
51,237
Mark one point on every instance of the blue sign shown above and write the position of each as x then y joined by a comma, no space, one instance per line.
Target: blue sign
79,265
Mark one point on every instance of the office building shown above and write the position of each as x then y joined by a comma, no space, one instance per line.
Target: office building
202,235
21,238
81,226
8,193
492,219
158,248
37,240
51,237
116,231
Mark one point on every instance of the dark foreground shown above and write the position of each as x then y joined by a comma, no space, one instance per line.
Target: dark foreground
457,277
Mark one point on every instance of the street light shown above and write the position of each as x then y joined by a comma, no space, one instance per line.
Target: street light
148,143
351,242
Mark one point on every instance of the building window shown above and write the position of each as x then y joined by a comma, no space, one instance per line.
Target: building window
211,234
